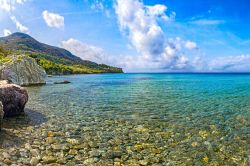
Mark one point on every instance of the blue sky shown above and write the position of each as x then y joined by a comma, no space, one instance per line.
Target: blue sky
149,35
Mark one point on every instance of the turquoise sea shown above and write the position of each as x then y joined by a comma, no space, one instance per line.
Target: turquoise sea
137,119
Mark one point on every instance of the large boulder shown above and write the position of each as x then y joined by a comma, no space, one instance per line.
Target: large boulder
22,70
1,114
13,98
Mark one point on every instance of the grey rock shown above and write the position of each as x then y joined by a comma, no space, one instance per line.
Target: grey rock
62,82
22,70
13,98
35,152
95,153
116,154
1,114
6,155
27,146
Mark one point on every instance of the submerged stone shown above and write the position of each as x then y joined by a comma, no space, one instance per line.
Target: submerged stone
73,141
203,134
49,159
62,82
205,159
34,161
143,162
194,144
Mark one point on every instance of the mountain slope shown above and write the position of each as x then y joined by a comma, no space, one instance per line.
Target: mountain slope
55,60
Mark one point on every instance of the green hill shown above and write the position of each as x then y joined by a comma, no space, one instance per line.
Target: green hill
53,59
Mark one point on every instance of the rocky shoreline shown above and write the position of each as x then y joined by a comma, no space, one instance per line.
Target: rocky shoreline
16,71
13,99
22,70
87,139
57,130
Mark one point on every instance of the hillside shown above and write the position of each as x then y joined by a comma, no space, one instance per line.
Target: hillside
54,60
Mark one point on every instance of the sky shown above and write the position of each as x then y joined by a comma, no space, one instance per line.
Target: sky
140,35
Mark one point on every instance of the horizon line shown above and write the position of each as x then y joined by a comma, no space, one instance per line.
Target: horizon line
187,72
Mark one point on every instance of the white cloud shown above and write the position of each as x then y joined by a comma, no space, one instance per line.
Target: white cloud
6,32
190,45
141,24
53,19
21,1
10,5
207,22
230,63
7,5
157,10
172,62
19,26
84,51
199,64
97,5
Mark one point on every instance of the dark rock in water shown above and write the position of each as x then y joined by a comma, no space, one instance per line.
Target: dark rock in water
62,82
1,114
22,70
13,98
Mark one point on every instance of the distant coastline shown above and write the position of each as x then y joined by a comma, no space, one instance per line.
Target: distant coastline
55,60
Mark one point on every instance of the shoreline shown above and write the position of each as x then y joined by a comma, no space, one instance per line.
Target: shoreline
73,124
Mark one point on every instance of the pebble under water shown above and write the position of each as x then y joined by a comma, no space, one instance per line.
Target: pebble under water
133,119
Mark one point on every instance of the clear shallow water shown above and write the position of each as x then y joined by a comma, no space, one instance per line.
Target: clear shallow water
130,119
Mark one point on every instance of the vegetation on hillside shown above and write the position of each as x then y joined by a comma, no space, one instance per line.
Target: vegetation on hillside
54,65
3,55
59,66
3,52
56,61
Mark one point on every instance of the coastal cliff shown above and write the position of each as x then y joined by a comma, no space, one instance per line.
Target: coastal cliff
22,70
55,60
